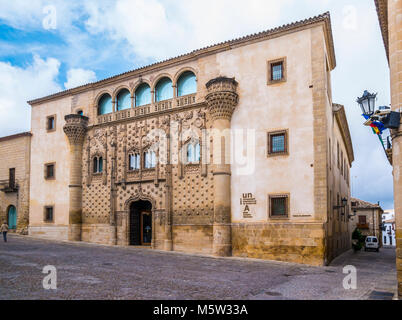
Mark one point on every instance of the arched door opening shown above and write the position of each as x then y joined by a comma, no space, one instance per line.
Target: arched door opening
140,223
12,217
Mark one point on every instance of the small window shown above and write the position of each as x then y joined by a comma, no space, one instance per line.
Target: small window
276,71
97,165
279,206
49,214
11,178
362,220
330,154
341,163
80,112
50,171
134,161
337,152
277,143
193,153
149,160
51,123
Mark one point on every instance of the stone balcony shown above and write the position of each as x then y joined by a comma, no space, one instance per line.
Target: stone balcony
7,187
156,107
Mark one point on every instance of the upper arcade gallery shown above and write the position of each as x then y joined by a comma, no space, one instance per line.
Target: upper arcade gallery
146,93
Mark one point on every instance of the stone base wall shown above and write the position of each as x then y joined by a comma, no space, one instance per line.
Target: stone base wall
97,233
49,232
193,238
337,245
290,242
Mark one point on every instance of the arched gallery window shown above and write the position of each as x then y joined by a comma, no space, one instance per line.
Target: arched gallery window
123,100
143,95
163,90
105,104
97,165
186,84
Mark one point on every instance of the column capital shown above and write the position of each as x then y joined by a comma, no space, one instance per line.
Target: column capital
75,128
222,97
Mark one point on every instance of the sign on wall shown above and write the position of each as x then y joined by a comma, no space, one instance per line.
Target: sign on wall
248,202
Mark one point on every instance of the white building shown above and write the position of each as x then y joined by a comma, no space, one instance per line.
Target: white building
388,234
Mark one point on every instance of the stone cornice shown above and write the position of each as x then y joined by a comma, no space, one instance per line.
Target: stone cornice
227,45
382,12
339,111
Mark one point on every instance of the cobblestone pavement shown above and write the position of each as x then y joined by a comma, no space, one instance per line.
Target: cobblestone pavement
88,271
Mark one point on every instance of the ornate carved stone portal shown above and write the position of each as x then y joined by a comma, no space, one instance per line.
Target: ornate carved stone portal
222,100
75,129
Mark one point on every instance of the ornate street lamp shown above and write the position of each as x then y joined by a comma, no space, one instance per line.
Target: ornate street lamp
344,203
379,120
367,103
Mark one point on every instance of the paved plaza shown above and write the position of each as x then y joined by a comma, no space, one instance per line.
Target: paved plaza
89,271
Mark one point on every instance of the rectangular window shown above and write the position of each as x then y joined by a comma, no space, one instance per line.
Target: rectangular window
51,123
337,153
337,203
48,214
278,206
50,171
11,178
362,220
330,154
134,160
277,143
276,71
341,163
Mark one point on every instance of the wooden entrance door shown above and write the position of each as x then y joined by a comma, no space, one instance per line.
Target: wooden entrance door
12,217
146,228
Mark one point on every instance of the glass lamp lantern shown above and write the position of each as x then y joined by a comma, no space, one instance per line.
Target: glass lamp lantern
367,102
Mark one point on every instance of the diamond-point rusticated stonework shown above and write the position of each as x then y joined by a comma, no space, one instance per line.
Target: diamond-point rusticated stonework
222,97
75,128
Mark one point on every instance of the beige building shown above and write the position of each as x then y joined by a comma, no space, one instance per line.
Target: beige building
234,149
367,217
14,180
389,15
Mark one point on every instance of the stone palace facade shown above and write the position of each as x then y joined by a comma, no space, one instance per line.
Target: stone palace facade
234,149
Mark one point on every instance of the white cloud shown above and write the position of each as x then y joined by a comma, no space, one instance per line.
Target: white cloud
156,29
17,85
78,77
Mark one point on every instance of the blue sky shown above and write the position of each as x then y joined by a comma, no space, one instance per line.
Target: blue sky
48,46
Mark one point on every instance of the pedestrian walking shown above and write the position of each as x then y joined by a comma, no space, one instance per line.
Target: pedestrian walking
4,230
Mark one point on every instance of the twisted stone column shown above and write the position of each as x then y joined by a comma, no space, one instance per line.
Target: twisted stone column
222,100
75,129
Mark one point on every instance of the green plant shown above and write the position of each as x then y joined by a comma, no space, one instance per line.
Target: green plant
359,240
